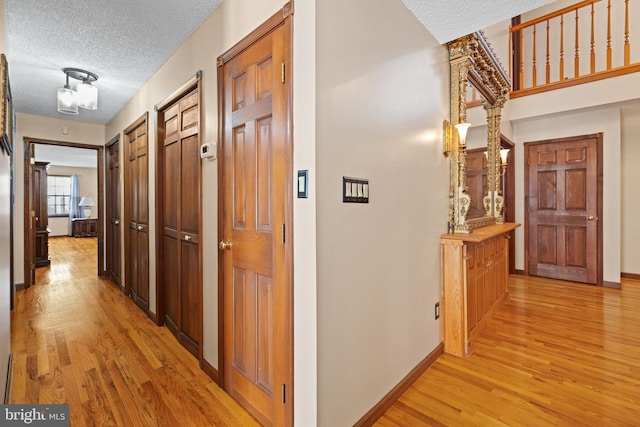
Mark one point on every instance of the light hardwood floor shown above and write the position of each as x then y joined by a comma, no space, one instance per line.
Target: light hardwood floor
77,339
555,353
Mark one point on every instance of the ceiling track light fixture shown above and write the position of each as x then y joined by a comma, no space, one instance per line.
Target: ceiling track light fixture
85,96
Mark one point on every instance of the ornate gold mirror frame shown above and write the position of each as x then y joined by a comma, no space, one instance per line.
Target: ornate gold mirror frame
473,61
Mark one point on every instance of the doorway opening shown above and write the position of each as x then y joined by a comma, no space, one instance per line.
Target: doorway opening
63,198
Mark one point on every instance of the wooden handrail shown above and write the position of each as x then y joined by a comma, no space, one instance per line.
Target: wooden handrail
593,56
551,15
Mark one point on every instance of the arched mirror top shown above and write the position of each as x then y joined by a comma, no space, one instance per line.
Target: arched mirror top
474,62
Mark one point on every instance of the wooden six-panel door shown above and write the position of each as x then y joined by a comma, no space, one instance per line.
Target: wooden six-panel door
137,213
114,259
255,219
562,191
181,221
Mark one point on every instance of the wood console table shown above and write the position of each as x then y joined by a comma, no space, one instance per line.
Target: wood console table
475,271
85,227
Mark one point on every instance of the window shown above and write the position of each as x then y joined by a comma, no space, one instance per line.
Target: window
58,195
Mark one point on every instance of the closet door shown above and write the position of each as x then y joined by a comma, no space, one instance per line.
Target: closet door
181,209
114,258
137,214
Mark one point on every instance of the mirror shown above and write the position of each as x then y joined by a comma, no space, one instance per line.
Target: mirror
473,62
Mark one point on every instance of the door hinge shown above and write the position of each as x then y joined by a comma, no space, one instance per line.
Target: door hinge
283,231
32,160
284,400
282,73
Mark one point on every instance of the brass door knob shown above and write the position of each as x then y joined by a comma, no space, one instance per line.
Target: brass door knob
225,244
591,218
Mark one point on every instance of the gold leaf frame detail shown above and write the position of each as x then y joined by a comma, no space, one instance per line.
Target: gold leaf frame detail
5,140
473,61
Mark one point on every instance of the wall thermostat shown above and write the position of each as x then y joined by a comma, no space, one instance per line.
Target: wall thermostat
208,151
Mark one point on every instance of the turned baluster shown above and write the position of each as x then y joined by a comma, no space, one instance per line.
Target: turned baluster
627,46
548,67
593,42
561,76
576,61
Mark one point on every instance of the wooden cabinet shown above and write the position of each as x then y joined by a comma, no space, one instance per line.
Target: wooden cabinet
84,227
41,214
475,271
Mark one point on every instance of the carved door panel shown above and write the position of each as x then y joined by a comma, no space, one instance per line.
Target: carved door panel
563,209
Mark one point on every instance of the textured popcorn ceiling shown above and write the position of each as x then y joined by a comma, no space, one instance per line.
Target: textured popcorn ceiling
447,20
122,41
126,41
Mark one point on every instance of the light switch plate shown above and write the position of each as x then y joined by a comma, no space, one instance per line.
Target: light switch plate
355,190
303,184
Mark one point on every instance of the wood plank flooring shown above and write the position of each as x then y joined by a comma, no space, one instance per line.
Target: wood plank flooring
77,339
555,353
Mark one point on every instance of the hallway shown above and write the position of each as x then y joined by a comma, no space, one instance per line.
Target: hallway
77,339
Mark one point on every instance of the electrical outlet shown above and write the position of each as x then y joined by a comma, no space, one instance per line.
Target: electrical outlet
437,310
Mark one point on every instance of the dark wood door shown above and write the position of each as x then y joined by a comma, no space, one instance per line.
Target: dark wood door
41,214
181,217
476,181
563,208
114,258
137,213
255,252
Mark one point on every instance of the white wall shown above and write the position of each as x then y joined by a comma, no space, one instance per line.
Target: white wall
5,212
305,338
88,186
382,93
5,270
630,171
50,128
